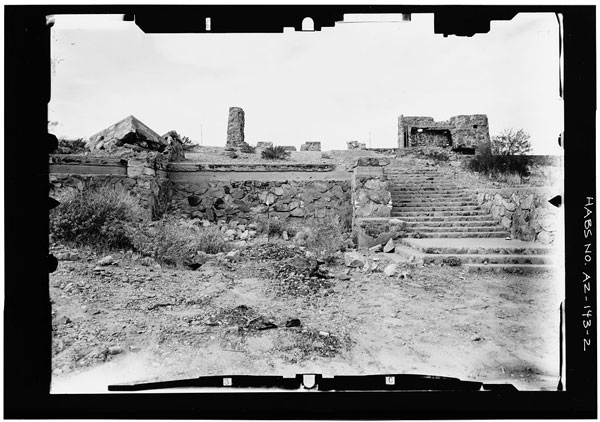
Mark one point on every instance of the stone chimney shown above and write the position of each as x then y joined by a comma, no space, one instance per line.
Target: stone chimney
235,128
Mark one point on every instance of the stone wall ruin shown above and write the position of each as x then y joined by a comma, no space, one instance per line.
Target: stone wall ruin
465,133
235,128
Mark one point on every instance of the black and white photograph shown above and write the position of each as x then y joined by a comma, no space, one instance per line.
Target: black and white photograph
360,195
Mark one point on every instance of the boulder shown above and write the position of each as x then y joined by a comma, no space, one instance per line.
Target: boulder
376,248
356,145
129,132
390,246
107,260
354,260
391,270
311,146
527,202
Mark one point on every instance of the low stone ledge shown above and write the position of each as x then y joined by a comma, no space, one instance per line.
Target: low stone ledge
86,159
198,167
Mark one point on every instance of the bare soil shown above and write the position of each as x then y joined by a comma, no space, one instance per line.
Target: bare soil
128,322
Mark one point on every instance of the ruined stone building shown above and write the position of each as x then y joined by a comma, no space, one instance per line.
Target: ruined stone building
468,134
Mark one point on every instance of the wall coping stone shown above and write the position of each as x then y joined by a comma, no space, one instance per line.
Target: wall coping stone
86,159
200,167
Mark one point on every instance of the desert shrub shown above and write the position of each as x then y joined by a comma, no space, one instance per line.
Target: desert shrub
275,153
498,165
273,226
452,261
97,217
325,236
71,146
171,242
248,149
511,142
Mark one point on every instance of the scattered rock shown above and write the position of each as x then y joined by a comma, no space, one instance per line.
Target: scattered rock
389,246
244,235
376,248
147,261
115,350
284,235
354,260
67,256
233,255
476,338
107,260
293,322
134,349
391,270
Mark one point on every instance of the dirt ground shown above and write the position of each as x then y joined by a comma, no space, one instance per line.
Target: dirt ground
132,321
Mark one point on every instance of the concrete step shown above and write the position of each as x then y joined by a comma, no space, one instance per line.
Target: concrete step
458,235
437,203
441,207
482,259
426,183
486,246
430,194
427,190
429,229
405,213
440,178
490,259
511,268
457,223
479,219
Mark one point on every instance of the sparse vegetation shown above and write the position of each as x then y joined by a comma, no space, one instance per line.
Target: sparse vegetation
500,166
452,261
71,146
248,149
170,241
325,236
275,153
97,217
511,142
273,226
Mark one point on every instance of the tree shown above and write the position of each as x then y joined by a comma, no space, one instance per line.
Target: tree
511,142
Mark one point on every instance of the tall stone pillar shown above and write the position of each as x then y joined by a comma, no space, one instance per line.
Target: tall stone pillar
235,128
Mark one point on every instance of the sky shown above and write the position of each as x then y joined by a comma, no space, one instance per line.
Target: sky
349,82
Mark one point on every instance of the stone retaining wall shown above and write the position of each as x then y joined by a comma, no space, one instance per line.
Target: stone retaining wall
152,192
370,193
245,200
525,212
142,178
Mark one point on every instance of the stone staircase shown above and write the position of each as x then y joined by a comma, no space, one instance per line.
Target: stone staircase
435,207
446,225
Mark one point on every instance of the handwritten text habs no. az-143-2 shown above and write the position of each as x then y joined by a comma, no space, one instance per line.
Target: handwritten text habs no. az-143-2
587,232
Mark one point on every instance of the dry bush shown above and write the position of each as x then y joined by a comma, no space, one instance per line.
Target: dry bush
273,226
171,242
275,153
96,217
325,236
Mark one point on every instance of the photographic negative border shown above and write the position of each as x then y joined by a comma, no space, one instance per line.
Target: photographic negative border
27,328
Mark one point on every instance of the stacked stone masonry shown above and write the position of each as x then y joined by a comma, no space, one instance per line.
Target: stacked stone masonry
464,132
526,213
246,200
370,193
311,146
